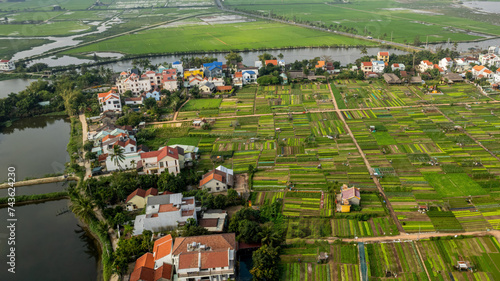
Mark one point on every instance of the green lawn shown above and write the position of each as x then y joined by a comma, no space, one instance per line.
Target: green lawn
55,28
452,185
237,36
383,138
47,4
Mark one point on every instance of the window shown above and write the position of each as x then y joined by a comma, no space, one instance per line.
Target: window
218,188
161,164
217,183
209,189
132,149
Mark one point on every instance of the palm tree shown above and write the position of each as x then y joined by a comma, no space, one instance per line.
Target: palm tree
83,208
364,51
117,157
132,163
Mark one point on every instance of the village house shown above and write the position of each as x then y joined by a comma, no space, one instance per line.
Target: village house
213,220
110,101
249,77
165,212
349,196
7,65
178,66
441,71
169,80
208,257
193,81
213,69
383,56
330,68
446,64
157,266
207,87
217,180
238,79
490,60
224,89
138,198
398,66
157,162
187,154
366,67
273,62
155,94
284,78
133,82
378,66
134,100
126,142
480,71
320,64
193,72
425,65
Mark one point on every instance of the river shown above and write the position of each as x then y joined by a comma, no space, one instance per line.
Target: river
48,247
34,146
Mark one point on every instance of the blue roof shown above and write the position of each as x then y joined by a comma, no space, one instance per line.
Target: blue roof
379,62
214,67
176,62
215,63
249,71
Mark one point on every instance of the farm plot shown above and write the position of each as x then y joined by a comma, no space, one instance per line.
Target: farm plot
307,204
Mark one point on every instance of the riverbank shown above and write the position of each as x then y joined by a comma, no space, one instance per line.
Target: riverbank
34,199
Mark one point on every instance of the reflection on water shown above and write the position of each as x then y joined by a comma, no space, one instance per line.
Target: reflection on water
49,247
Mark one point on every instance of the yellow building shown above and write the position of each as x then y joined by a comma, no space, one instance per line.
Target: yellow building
345,208
193,72
383,56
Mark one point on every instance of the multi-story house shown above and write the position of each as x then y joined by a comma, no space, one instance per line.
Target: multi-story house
383,56
7,65
110,101
218,180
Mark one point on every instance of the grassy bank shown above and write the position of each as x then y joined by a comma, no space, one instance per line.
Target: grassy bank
36,198
12,46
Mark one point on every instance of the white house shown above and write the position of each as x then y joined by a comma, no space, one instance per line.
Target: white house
493,50
425,65
258,63
398,66
249,76
169,79
480,71
133,82
207,257
110,101
194,81
130,161
446,64
7,65
207,87
157,162
490,60
178,66
218,180
378,66
165,212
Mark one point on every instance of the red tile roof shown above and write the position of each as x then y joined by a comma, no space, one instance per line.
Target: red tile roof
350,193
4,60
224,88
142,193
383,54
367,63
146,260
238,74
102,157
207,260
167,208
162,153
273,62
214,174
395,64
164,271
143,274
163,247
152,191
215,242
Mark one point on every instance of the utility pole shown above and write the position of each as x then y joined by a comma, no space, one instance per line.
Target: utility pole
391,35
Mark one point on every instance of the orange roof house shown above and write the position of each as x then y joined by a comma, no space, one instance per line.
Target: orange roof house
273,62
320,64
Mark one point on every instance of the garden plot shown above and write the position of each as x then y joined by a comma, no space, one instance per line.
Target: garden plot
265,197
307,204
442,255
299,261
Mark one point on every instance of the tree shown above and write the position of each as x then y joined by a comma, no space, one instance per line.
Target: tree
83,208
91,155
265,263
468,75
416,41
88,146
271,236
117,157
281,56
264,57
232,56
191,228
150,103
364,51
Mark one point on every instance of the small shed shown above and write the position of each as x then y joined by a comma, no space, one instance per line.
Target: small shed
322,257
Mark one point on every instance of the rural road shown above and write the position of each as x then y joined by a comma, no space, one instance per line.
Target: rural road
86,163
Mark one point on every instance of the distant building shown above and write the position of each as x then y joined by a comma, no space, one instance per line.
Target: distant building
446,63
425,65
398,66
7,65
238,79
213,220
165,159
320,64
134,100
193,72
178,66
366,66
156,266
249,77
378,66
213,69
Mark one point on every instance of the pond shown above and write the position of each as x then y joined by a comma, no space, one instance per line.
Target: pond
13,86
48,246
38,188
34,146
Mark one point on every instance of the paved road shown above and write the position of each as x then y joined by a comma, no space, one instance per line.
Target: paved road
368,166
416,236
